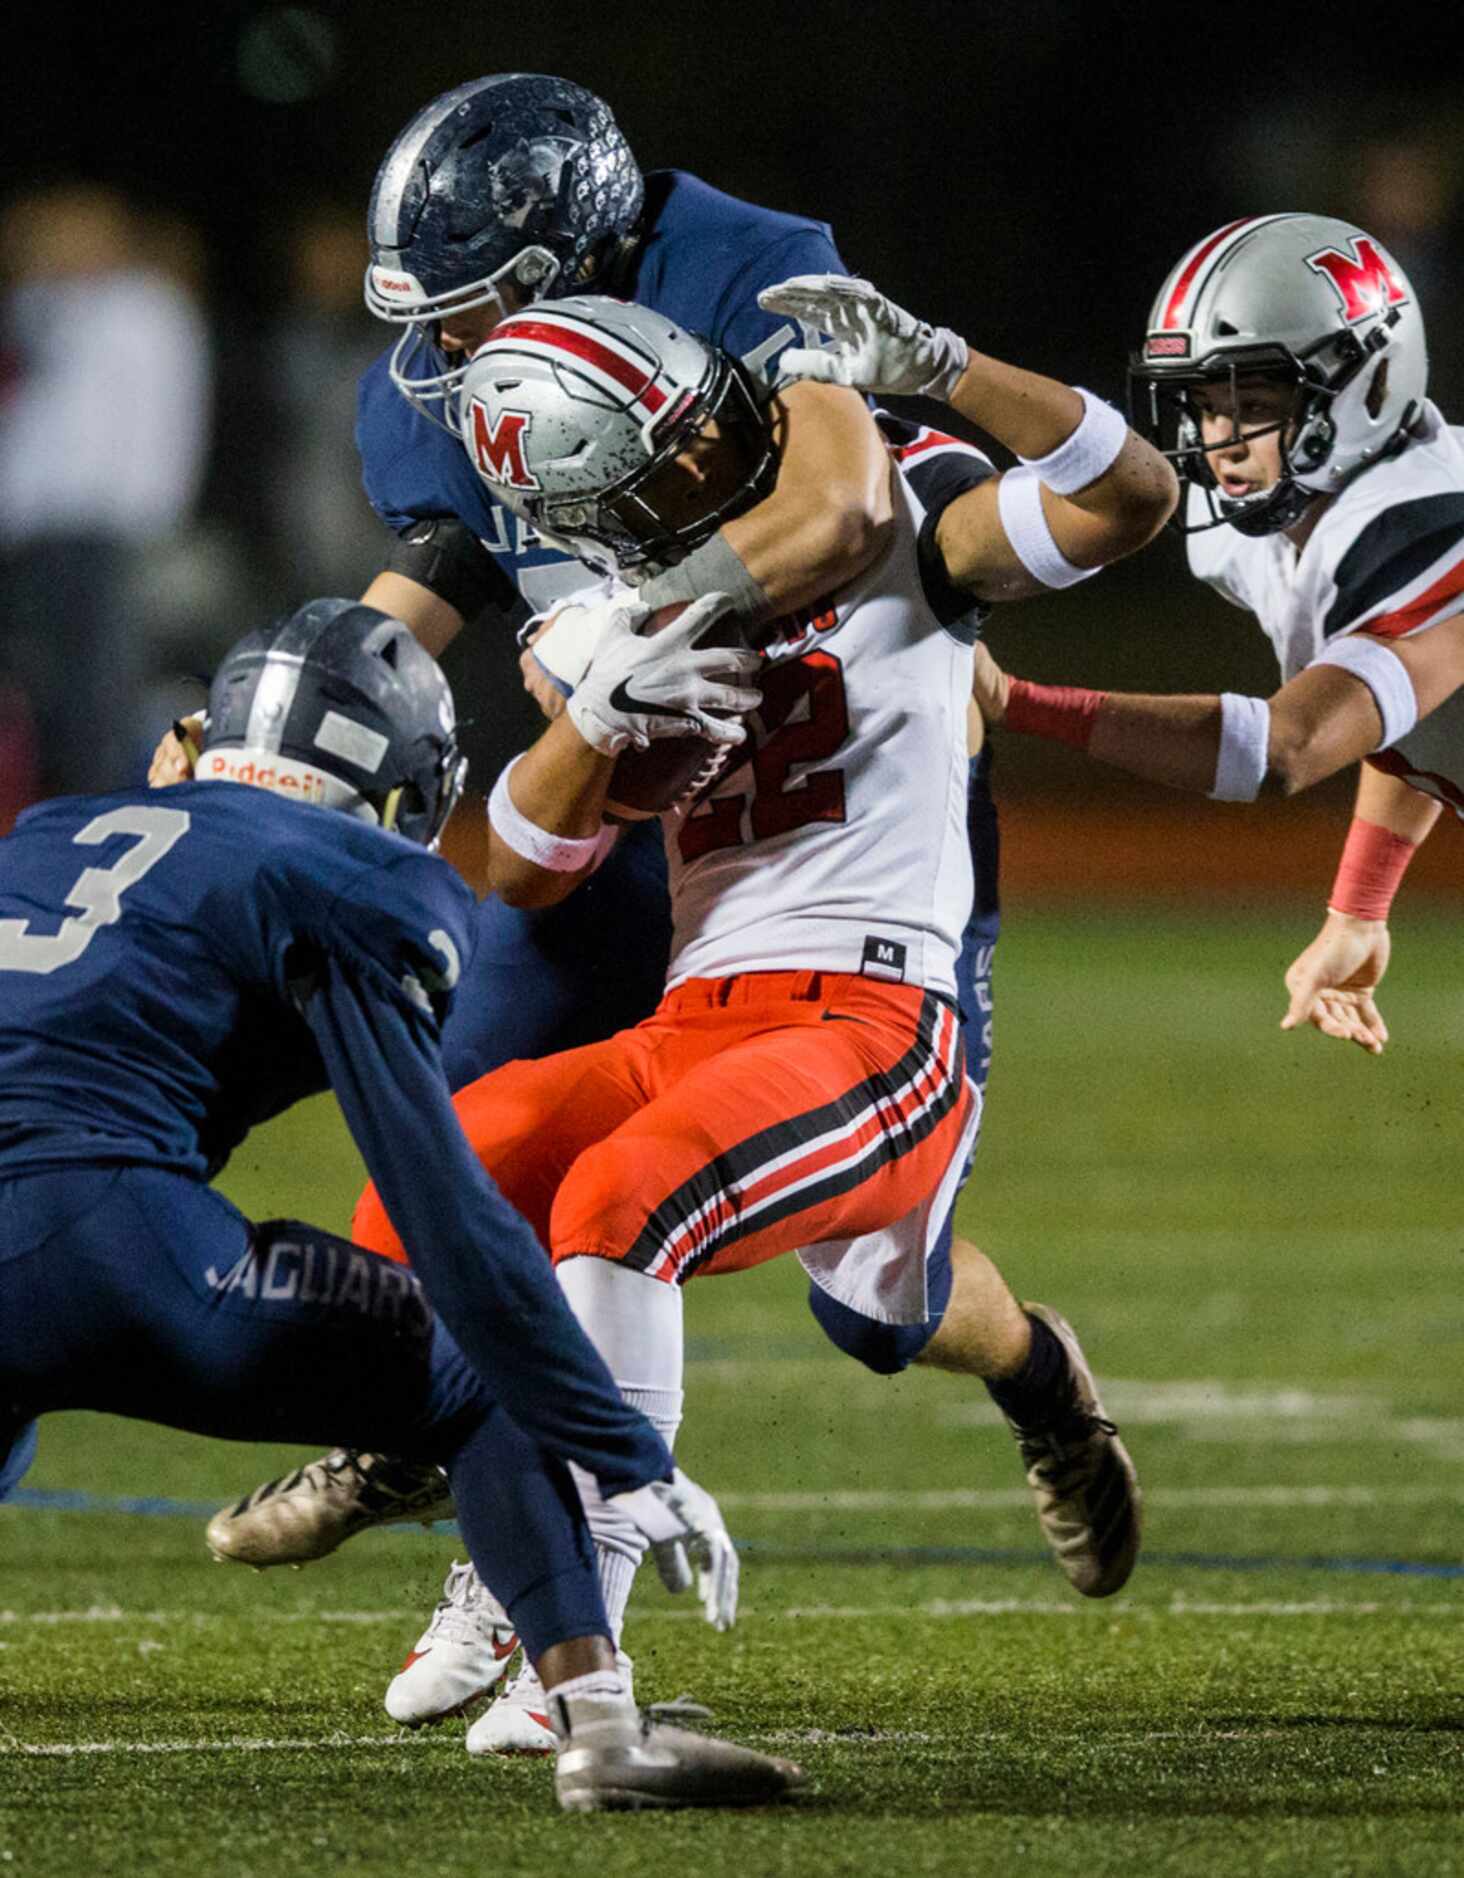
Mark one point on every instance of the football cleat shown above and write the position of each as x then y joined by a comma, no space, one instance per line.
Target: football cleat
612,1759
519,1721
307,1514
459,1659
1087,1493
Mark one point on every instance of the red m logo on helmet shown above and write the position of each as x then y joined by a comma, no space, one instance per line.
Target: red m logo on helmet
1364,279
498,449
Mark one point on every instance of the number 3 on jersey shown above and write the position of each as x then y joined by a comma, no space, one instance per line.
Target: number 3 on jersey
98,890
804,717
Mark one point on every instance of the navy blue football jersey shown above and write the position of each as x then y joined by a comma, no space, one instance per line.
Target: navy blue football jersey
151,1010
177,966
704,259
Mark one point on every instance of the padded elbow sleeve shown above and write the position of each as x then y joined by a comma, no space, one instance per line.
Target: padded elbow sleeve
443,555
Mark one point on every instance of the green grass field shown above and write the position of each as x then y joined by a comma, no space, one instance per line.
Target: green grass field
1260,1240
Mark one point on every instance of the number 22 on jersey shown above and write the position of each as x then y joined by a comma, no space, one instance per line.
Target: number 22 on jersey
805,719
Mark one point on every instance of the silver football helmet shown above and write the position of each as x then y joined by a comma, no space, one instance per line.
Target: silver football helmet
575,412
1304,299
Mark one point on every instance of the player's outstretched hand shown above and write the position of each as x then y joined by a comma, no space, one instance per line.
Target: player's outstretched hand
877,346
640,687
689,1539
1333,981
172,761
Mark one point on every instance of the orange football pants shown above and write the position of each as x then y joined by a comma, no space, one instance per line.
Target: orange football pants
746,1117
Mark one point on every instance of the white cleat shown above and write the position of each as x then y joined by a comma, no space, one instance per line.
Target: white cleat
307,1514
519,1721
613,1760
459,1659
1087,1493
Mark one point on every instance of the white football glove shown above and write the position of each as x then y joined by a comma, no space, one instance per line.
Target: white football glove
563,640
878,346
688,1538
638,689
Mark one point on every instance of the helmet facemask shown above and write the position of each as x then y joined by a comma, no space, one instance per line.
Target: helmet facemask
1165,409
423,371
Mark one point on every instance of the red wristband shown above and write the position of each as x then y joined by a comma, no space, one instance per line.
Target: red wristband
1065,713
1373,862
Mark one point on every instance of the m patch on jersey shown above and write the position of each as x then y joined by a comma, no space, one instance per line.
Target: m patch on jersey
883,958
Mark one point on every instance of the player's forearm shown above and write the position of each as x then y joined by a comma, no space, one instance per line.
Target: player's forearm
557,788
1028,413
1169,740
831,512
803,545
434,623
1039,419
1389,802
1229,747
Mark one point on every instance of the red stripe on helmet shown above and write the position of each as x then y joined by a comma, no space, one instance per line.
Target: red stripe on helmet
1196,261
635,379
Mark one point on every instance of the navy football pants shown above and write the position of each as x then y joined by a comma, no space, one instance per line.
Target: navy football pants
142,1293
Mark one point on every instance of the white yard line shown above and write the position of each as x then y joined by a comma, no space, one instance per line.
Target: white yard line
934,1499
239,1744
1178,1607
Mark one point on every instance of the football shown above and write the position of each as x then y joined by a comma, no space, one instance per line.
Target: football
650,781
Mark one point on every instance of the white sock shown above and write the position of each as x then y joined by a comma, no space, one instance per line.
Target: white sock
635,1323
600,1685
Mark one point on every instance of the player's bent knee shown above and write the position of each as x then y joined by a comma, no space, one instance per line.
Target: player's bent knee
600,1208
884,1348
290,1263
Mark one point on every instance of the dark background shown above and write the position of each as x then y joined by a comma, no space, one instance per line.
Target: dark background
1027,173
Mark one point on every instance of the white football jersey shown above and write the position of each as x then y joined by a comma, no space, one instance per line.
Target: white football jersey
838,842
1387,557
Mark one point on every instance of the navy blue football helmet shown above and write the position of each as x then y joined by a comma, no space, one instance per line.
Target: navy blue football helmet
518,179
337,704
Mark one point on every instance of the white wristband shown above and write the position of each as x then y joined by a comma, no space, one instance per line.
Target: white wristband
1245,731
1088,453
558,854
1386,677
1019,504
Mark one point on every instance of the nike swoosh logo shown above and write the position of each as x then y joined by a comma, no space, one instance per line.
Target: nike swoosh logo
506,1651
622,698
414,1656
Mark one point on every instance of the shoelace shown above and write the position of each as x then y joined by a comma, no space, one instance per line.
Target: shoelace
1057,1446
466,1608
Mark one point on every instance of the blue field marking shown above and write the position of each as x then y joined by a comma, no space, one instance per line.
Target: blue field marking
147,1506
50,1500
